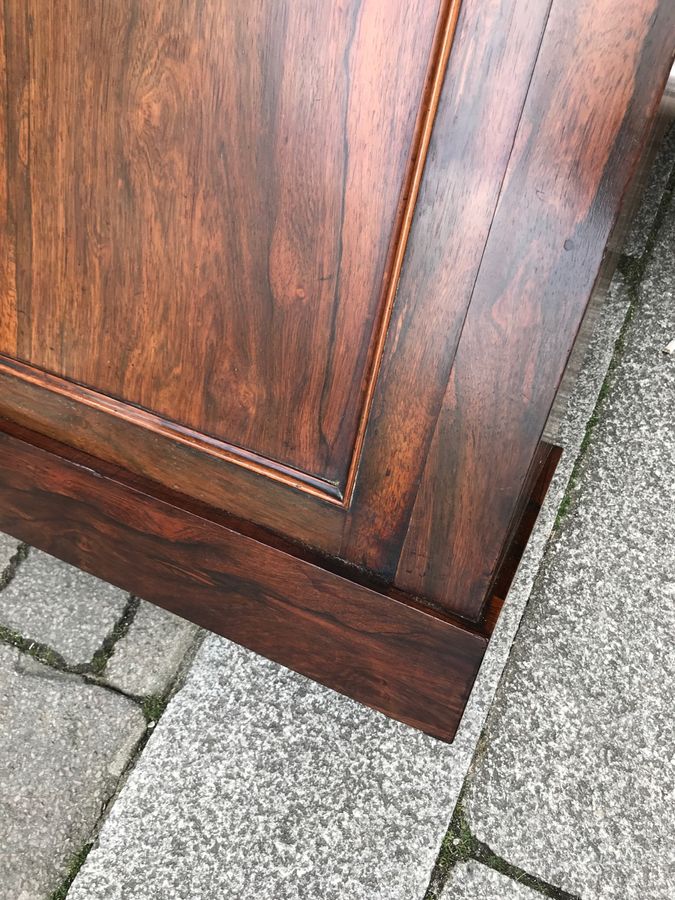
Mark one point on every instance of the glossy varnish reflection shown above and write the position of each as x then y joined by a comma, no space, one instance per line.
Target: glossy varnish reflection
287,291
211,193
402,660
578,144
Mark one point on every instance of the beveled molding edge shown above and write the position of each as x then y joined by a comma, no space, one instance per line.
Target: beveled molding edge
376,645
143,418
444,35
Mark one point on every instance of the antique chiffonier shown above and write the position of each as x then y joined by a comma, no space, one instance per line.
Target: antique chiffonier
287,289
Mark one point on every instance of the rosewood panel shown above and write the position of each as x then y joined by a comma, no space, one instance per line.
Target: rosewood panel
597,84
489,70
400,659
208,195
286,292
8,251
81,419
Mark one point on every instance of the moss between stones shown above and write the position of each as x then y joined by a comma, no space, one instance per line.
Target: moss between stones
38,651
459,845
154,706
13,565
100,659
74,866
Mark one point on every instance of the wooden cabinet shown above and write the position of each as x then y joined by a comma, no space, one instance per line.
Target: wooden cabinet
287,289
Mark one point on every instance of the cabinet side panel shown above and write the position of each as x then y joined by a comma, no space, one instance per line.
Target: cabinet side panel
595,90
489,70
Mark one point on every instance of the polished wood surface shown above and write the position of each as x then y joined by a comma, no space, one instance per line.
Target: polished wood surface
489,71
206,199
72,415
595,86
400,659
287,290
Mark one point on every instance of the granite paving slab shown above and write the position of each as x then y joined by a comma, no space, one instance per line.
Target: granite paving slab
146,659
575,778
636,238
8,547
53,603
258,782
64,745
473,881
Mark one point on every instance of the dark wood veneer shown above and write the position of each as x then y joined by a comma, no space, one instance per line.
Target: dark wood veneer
220,261
406,661
286,293
578,144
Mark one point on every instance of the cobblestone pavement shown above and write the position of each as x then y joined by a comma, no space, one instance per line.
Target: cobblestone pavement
85,671
258,783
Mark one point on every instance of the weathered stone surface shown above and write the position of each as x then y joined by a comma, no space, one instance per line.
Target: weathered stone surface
636,239
576,779
63,746
8,547
260,783
53,603
146,660
472,881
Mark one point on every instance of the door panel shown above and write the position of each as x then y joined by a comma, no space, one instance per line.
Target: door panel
293,261
206,196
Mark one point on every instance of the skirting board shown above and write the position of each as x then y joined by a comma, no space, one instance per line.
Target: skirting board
389,653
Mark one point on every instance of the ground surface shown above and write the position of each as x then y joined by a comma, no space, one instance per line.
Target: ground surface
256,782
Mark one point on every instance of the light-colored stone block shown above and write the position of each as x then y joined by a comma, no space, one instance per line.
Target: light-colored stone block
576,779
8,547
56,604
636,238
63,747
260,783
146,659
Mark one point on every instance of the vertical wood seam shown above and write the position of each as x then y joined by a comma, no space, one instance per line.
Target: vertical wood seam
440,56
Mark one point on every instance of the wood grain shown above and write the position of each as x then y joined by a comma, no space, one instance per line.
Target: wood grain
597,84
494,52
66,412
8,253
214,191
14,211
203,214
539,478
401,660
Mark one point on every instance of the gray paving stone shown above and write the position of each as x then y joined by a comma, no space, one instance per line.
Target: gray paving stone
636,239
63,746
473,881
260,783
8,547
147,659
575,781
53,603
